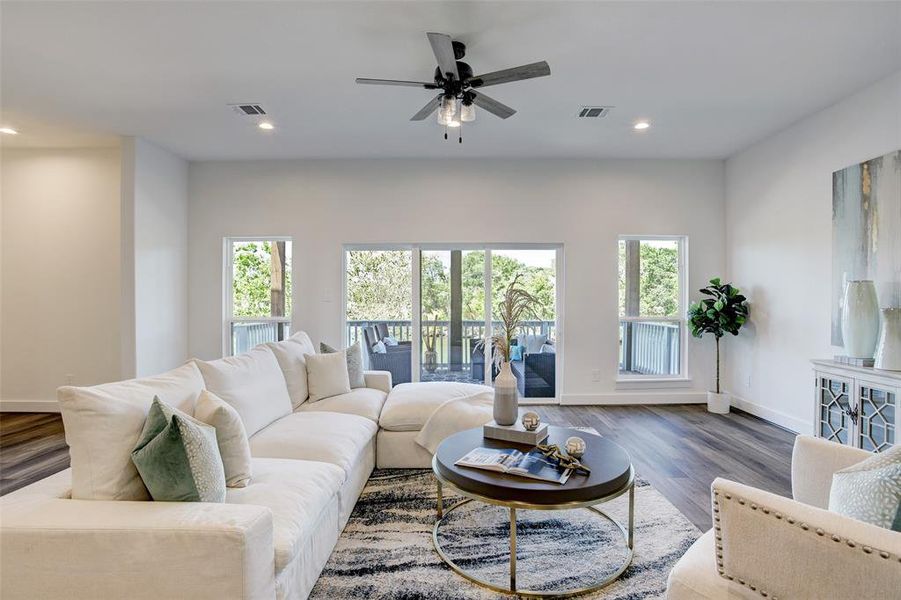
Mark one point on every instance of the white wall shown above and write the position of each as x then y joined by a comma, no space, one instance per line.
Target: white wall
60,271
779,236
155,235
583,204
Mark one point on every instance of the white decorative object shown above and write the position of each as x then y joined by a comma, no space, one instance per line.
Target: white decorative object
506,397
531,421
575,447
516,433
860,319
718,403
888,348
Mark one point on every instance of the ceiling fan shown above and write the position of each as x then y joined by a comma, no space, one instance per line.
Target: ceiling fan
457,85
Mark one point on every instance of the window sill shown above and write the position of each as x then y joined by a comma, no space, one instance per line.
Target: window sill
653,383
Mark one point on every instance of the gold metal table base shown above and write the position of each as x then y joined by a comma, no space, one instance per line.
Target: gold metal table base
627,532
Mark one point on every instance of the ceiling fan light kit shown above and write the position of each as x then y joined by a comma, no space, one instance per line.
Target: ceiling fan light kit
457,84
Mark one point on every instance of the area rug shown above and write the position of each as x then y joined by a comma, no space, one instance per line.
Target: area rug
386,549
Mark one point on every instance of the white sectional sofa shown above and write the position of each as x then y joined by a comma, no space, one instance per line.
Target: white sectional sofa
90,531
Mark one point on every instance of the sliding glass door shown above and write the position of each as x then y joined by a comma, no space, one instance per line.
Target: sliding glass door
427,312
452,305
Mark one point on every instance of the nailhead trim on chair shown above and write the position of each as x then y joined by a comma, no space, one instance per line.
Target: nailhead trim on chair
753,506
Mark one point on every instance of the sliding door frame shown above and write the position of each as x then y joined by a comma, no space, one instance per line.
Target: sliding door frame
416,250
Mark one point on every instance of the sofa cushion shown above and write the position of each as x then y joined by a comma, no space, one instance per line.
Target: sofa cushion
178,457
409,405
365,402
290,355
103,424
298,492
323,436
327,375
354,356
231,437
252,383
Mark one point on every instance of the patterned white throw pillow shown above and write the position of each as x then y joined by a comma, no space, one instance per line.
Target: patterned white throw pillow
870,491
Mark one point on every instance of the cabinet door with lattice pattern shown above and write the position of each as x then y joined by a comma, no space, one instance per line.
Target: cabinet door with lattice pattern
833,409
876,420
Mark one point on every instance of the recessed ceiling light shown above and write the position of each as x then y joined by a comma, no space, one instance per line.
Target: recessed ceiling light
8,130
266,125
641,125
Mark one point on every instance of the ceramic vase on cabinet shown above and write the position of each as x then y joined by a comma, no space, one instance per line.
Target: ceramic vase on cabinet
506,397
860,319
888,349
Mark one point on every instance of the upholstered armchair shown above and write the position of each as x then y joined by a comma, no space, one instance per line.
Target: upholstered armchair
767,546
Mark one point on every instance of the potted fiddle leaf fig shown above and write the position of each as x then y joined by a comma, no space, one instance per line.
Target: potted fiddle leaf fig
724,310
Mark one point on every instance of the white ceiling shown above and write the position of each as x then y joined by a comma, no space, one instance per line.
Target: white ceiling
712,77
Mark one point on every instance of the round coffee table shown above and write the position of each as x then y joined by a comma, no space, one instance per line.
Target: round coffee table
611,476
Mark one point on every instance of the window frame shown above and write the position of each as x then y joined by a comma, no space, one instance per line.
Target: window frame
228,261
632,380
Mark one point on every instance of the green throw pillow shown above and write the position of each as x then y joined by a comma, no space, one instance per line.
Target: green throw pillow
354,357
178,457
870,491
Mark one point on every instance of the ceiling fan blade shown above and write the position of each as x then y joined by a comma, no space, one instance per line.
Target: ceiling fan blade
491,105
419,84
428,109
443,47
538,69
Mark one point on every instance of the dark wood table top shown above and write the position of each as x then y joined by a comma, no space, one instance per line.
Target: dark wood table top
610,464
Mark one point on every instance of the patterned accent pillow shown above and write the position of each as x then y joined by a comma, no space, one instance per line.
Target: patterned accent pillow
178,458
870,491
354,356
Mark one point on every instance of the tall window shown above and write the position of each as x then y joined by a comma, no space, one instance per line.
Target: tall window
258,292
651,307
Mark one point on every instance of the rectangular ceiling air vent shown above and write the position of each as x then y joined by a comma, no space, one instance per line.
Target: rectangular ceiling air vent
248,110
593,112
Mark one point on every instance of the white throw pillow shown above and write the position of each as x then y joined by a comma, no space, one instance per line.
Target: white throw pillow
327,375
252,383
290,355
532,343
379,348
104,422
390,341
230,436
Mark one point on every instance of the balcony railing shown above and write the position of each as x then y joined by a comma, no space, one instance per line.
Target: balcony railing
472,330
650,348
248,334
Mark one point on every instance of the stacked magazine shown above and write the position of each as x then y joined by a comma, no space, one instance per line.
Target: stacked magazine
532,464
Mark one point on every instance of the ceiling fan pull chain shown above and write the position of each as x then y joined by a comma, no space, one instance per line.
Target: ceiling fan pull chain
445,132
460,133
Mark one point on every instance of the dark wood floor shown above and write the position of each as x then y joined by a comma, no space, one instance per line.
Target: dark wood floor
680,449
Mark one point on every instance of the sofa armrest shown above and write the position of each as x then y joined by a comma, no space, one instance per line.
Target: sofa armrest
61,548
380,380
787,549
814,460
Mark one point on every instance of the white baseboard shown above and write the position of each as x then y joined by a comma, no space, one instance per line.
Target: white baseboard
773,416
45,406
643,397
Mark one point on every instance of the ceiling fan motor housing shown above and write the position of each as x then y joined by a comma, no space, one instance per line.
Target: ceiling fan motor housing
463,69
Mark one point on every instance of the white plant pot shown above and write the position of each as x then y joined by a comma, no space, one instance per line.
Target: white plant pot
718,403
860,319
888,350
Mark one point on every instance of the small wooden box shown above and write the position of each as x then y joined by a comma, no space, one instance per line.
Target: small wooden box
515,433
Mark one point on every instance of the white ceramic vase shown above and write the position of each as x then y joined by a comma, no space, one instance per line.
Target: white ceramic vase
506,397
860,319
888,348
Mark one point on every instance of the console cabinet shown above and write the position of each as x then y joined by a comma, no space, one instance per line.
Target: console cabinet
856,406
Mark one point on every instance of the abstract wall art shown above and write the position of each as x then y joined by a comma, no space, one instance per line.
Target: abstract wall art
866,231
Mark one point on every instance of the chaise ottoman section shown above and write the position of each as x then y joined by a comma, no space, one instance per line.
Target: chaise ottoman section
407,409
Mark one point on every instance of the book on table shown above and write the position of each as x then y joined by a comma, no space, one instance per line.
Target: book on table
532,464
